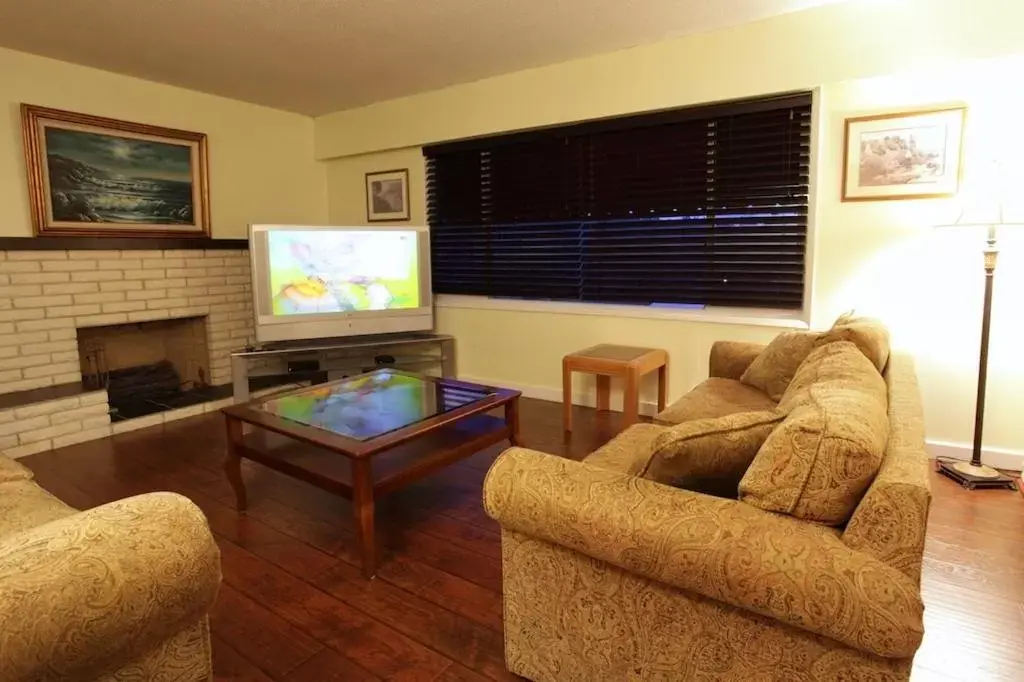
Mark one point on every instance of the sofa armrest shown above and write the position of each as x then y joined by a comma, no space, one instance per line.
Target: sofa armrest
798,573
729,359
95,590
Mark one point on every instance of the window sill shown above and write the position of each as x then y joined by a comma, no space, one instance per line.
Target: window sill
785,319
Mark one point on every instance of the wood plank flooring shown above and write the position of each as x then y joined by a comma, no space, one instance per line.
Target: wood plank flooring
294,608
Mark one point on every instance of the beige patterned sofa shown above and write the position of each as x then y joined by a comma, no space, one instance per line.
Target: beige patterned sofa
115,593
609,576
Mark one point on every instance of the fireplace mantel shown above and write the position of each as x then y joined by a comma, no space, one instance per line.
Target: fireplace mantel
119,243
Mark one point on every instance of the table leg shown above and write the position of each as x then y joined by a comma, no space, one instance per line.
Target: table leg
362,506
604,392
233,462
631,399
566,397
512,420
662,386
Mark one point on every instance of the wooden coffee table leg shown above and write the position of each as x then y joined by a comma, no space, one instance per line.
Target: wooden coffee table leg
512,420
233,462
362,505
631,399
566,397
662,386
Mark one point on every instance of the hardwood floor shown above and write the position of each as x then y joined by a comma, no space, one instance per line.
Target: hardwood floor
294,608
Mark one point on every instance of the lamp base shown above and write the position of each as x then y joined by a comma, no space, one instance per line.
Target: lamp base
971,476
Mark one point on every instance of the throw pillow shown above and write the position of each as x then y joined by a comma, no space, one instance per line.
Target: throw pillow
868,334
774,367
838,364
819,462
721,448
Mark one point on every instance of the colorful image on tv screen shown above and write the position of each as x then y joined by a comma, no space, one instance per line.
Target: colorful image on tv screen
333,271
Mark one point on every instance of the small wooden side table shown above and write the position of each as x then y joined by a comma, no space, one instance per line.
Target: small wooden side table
607,361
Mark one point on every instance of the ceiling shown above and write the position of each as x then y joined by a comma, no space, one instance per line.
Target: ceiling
318,56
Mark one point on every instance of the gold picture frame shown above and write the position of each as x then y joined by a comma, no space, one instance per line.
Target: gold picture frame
90,176
907,155
387,196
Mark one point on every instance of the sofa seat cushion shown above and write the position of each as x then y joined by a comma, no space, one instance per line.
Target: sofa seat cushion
12,471
818,463
715,397
24,505
627,452
774,367
720,449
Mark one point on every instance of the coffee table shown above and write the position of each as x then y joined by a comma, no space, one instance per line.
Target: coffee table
370,434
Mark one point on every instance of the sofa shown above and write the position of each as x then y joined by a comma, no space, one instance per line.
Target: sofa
609,575
116,593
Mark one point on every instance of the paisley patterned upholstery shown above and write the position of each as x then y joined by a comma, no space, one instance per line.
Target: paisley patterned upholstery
730,359
715,397
608,576
119,592
12,471
868,334
629,451
773,369
24,505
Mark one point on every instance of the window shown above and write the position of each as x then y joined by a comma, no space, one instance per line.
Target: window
705,205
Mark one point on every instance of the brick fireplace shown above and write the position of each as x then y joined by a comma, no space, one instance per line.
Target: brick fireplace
61,310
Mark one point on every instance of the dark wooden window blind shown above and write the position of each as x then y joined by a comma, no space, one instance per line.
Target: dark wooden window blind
705,205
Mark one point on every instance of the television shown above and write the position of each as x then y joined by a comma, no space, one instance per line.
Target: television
324,282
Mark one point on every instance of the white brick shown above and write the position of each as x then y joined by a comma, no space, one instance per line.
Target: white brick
51,369
25,384
120,286
23,361
183,253
81,437
102,297
50,346
166,303
183,413
42,301
164,263
204,300
96,422
124,307
93,398
20,315
19,266
39,325
147,295
186,272
216,263
205,281
26,437
67,378
40,277
68,265
8,442
179,292
31,449
144,274
80,413
140,423
6,328
148,315
101,320
8,351
20,339
73,310
65,356
5,279
21,425
93,255
62,334
143,254
70,288
15,290
97,276
37,255
48,407
164,283
187,312
7,377
121,264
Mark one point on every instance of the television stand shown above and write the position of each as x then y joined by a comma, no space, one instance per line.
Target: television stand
340,357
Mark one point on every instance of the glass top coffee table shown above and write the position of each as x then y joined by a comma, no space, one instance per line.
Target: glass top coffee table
389,427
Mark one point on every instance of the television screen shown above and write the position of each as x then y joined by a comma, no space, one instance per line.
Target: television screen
317,271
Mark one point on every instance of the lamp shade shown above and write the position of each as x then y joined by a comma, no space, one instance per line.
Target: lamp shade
989,202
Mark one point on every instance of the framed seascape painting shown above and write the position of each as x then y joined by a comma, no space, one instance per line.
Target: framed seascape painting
92,176
387,195
913,155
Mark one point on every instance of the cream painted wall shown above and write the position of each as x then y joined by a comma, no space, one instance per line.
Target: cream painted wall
882,258
262,166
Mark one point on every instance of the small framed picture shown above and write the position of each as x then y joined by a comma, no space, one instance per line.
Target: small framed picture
911,155
387,195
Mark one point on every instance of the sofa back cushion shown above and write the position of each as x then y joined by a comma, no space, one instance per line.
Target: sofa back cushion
691,453
817,464
773,369
868,334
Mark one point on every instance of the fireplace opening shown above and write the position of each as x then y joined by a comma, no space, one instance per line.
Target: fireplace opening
147,367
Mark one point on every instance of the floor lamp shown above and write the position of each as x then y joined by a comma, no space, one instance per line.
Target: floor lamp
974,474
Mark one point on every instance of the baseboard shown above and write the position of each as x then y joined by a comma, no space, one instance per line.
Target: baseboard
1011,460
554,395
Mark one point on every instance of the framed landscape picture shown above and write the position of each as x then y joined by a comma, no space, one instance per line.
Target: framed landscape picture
387,195
93,176
913,155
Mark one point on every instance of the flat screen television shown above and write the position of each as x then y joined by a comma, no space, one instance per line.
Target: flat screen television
323,282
